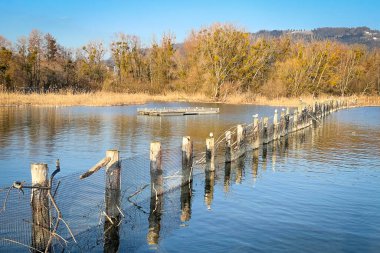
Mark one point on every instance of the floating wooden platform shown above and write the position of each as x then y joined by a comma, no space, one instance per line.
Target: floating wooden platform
177,111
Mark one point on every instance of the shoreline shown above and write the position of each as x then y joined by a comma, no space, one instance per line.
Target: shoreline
125,99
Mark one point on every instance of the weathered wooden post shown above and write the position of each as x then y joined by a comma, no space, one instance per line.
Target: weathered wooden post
210,153
282,123
265,131
187,159
331,106
323,109
310,115
287,121
156,191
256,132
295,120
112,201
187,178
156,173
228,154
275,125
40,207
113,184
240,141
315,110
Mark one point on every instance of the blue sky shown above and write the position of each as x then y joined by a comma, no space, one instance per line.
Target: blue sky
74,23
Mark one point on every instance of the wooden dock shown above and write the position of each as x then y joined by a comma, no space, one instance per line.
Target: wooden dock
176,111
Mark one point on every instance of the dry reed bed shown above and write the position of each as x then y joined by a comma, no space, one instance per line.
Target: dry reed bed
112,99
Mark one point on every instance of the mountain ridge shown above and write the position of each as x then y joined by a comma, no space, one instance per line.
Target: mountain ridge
347,35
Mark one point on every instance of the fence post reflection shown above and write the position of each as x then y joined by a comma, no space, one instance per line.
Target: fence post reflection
255,164
264,156
227,176
239,169
209,188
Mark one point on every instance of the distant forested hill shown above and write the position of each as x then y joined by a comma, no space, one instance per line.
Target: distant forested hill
360,35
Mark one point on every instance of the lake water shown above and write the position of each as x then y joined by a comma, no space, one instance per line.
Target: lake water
318,193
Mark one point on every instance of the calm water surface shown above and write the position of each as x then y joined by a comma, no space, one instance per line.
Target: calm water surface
318,193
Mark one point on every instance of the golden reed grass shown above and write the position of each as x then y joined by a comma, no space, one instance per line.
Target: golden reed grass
112,99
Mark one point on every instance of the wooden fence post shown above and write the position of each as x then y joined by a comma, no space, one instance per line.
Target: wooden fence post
187,178
240,141
256,132
156,173
287,121
323,109
40,207
156,193
113,184
112,201
187,159
295,120
282,123
265,130
228,154
275,125
210,153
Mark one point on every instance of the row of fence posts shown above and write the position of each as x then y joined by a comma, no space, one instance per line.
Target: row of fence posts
41,230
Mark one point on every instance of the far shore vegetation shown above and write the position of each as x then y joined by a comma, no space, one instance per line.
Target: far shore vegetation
219,63
115,99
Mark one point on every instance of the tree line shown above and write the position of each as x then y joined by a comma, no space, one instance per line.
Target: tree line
218,60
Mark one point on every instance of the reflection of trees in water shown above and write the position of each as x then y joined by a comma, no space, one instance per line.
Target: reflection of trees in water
42,125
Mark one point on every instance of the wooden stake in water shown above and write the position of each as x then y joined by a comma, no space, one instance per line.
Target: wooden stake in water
112,201
240,140
295,120
187,159
256,136
265,131
287,121
210,153
113,184
156,173
282,123
156,191
275,125
40,207
228,147
187,178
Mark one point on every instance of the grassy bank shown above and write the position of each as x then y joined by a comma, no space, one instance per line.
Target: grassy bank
111,99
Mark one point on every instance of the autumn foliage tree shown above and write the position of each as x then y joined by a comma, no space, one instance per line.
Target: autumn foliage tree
218,60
